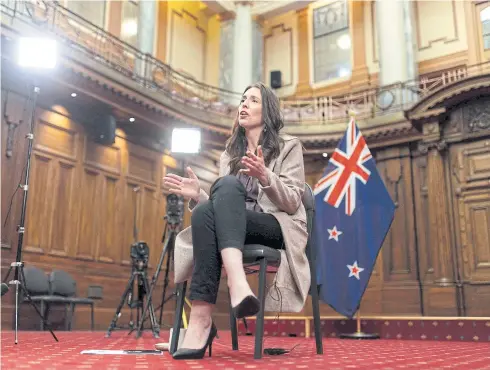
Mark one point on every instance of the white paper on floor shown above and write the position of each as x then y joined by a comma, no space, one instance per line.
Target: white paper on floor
121,352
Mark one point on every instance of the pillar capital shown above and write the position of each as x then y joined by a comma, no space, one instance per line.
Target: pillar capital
244,3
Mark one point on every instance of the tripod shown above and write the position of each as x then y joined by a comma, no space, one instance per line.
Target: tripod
18,266
143,288
168,248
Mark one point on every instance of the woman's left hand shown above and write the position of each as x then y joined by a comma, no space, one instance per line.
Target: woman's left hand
255,166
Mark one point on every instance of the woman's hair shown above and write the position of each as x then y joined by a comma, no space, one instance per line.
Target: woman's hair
269,138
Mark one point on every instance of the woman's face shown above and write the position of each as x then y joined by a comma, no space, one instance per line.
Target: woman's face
250,109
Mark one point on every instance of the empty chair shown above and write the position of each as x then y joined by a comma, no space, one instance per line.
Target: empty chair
63,285
37,285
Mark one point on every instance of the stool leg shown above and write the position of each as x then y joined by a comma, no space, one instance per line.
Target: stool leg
92,317
179,308
234,332
259,329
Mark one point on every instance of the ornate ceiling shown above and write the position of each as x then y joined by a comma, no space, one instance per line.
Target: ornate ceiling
262,9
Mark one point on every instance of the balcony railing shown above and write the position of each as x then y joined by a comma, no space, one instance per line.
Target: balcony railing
79,34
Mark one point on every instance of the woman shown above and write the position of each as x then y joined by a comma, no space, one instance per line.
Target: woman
256,200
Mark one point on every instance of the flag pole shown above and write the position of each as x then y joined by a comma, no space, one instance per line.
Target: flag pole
359,334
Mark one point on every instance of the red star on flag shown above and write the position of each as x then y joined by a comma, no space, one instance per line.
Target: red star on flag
334,233
354,270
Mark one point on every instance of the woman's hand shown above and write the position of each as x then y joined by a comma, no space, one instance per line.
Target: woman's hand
187,187
255,166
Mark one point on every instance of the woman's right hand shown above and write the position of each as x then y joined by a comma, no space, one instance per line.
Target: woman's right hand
189,188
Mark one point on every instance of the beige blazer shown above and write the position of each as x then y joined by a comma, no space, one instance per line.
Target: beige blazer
283,199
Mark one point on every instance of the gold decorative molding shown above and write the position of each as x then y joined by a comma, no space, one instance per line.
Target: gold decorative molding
444,39
282,29
181,14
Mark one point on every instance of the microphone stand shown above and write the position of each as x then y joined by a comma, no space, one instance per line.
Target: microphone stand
18,265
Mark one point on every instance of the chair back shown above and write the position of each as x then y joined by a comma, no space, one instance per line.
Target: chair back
62,284
36,281
309,203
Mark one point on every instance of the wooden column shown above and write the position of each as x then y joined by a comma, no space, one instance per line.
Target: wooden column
303,88
360,73
439,223
439,286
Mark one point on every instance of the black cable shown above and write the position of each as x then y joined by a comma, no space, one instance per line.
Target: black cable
19,186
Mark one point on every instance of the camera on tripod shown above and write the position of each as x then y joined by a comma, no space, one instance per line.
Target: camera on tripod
140,253
175,210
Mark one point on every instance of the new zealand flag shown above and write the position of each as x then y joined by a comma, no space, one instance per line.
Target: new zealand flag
353,215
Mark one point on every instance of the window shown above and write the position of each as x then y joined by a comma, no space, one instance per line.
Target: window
331,42
92,11
485,25
129,22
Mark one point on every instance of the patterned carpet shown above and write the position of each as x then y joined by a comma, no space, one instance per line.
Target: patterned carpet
38,350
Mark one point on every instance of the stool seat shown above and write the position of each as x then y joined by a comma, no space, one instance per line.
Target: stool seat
253,253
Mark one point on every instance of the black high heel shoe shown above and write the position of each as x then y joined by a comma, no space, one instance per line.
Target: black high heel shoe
249,306
196,354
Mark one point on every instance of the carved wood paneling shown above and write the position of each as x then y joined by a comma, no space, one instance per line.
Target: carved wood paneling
470,170
426,262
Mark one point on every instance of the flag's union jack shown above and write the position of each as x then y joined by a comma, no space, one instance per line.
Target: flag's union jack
348,167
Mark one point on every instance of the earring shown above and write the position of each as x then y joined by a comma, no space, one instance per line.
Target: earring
265,129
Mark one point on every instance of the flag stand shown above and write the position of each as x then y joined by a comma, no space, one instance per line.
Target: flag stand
359,334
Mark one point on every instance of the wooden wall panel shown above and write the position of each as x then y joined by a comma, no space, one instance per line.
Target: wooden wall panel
84,197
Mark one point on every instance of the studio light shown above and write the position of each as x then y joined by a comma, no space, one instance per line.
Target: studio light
37,53
186,140
34,54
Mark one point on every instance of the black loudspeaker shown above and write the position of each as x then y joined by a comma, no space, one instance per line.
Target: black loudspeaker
276,79
104,129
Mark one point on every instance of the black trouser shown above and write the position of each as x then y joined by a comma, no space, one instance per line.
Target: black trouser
224,222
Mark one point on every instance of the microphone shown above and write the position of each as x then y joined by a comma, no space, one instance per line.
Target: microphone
4,289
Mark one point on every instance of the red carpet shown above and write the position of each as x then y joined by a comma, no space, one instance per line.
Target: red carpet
39,351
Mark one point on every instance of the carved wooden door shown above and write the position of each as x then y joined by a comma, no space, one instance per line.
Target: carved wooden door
470,180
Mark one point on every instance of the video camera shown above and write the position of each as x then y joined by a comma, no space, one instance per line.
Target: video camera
175,210
140,253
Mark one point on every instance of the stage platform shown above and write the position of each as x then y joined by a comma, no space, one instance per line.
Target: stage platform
38,350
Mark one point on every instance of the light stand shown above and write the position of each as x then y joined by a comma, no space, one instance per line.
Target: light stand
184,141
18,265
